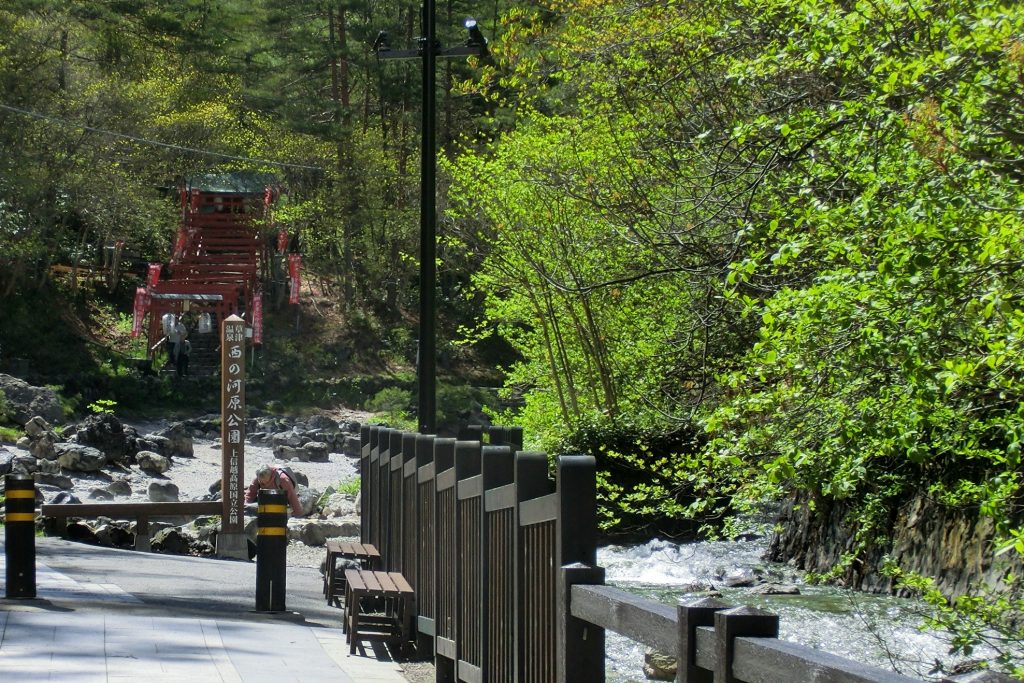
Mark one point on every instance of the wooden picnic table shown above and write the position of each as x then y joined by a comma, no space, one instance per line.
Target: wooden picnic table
378,606
366,554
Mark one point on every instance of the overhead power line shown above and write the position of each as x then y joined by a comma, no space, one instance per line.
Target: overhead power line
155,143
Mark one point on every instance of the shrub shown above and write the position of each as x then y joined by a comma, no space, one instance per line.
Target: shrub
393,403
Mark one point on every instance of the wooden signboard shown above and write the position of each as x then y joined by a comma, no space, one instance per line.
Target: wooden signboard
232,430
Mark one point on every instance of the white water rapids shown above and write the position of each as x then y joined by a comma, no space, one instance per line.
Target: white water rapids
872,629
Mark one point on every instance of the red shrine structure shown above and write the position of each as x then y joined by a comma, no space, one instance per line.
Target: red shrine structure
220,257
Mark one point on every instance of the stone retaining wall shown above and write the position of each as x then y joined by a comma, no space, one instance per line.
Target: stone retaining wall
953,546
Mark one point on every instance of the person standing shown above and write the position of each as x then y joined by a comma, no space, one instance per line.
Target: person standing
184,350
175,337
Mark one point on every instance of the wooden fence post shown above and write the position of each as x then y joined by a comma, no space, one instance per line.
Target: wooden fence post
445,560
739,622
392,482
691,615
497,472
580,647
409,511
471,433
531,481
506,436
371,491
425,582
365,506
468,521
580,643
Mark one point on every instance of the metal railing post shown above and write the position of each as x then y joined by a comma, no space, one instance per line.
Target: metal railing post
20,535
271,550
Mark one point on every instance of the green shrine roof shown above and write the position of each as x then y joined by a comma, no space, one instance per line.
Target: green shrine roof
233,182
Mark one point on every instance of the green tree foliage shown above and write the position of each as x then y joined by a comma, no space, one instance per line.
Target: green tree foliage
887,358
796,223
105,106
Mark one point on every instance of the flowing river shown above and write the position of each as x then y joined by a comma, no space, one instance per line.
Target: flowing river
872,629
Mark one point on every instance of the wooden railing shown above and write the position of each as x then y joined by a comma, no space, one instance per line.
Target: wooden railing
503,563
141,512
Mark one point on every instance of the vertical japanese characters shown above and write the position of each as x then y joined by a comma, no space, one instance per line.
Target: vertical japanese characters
232,421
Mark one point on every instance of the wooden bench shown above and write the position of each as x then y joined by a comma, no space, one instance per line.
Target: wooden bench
365,554
378,606
140,512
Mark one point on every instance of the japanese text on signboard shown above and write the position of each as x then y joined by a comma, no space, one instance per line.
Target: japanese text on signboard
233,420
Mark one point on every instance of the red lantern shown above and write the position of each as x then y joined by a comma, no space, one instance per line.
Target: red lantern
139,310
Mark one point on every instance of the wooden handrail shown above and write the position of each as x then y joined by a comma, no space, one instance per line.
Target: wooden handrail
122,510
140,511
762,658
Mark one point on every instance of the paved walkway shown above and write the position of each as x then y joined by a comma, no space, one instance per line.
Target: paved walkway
83,630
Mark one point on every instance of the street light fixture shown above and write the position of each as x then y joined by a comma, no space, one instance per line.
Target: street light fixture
476,38
429,51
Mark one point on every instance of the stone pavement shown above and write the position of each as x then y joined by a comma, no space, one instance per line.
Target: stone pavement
82,630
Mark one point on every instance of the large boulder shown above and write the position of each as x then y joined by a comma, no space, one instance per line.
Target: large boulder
80,531
6,461
291,453
152,463
352,446
177,443
162,492
24,464
205,529
659,666
25,401
58,480
120,487
307,499
174,540
41,438
79,458
36,427
317,451
113,535
291,438
340,505
106,433
48,466
315,532
42,448
64,497
322,422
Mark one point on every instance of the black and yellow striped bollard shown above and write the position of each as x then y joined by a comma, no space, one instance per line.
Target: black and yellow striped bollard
271,550
20,535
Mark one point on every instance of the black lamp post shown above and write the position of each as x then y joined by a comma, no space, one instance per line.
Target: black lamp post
429,51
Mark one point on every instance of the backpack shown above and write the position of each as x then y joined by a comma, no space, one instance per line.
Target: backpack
291,475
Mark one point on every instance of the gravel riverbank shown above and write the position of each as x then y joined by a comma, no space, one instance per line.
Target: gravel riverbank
194,476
